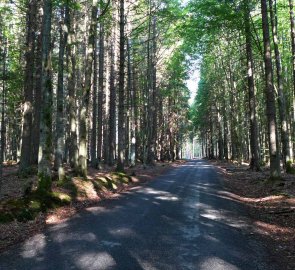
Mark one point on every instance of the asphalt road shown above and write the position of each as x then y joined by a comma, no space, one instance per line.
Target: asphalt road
181,220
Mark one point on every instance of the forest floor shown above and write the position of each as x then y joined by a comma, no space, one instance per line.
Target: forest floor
73,194
271,206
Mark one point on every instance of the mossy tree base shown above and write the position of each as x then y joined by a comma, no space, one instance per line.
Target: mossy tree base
44,183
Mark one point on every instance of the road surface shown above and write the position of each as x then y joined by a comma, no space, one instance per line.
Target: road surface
181,220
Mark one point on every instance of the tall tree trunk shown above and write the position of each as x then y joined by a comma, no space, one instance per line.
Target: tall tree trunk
93,150
60,134
101,91
121,109
83,143
270,96
254,162
154,87
132,108
3,124
112,110
26,149
128,105
37,85
282,99
45,148
72,110
151,85
292,27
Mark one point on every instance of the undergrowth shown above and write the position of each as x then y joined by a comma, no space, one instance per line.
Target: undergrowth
28,207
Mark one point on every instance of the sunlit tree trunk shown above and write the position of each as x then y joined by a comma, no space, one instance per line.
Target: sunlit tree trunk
282,99
37,85
270,96
45,148
121,109
83,142
254,162
112,109
72,110
60,129
93,148
101,91
3,99
26,150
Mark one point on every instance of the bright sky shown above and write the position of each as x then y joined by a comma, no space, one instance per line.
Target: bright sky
193,81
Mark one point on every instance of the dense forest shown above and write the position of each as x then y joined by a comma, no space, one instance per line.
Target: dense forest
244,109
92,83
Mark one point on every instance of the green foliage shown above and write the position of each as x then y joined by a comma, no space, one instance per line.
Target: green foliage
290,168
44,183
68,184
27,208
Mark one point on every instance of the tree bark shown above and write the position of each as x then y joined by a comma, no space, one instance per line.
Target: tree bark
94,150
37,86
101,91
26,148
254,162
60,129
112,110
282,99
121,107
270,96
72,110
292,27
45,148
83,143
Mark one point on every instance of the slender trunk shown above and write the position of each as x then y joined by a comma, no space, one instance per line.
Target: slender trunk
282,99
45,148
60,134
254,163
112,110
128,104
3,125
93,150
121,109
26,149
292,27
83,144
270,96
151,91
132,112
72,111
225,127
101,91
220,137
37,86
154,87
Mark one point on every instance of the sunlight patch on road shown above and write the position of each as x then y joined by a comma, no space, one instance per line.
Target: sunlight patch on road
162,195
224,217
62,237
168,198
34,246
122,232
216,264
152,191
94,261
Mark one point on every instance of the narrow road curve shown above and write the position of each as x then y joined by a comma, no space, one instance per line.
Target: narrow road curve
181,220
